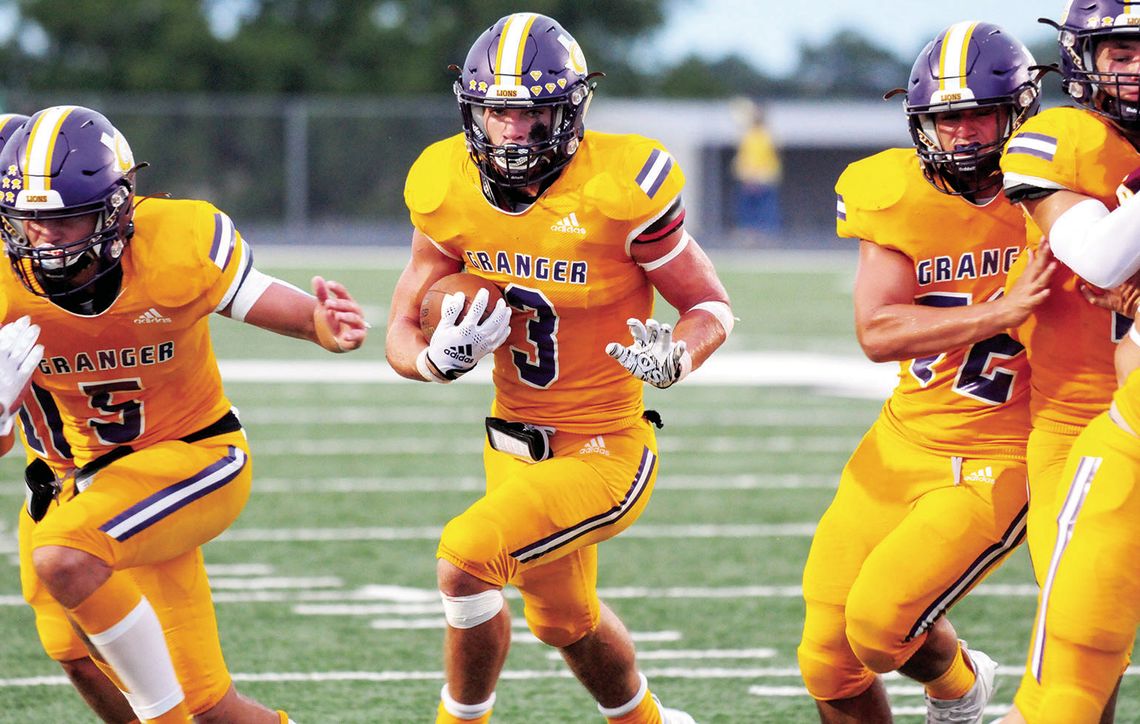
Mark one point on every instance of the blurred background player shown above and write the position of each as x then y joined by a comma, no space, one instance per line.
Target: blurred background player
757,169
934,496
122,289
578,228
1064,167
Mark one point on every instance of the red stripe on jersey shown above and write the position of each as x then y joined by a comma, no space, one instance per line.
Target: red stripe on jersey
656,232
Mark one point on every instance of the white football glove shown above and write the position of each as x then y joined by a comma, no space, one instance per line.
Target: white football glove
19,356
455,348
653,357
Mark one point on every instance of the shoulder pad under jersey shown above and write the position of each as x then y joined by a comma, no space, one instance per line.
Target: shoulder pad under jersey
1050,148
180,248
429,178
873,184
635,178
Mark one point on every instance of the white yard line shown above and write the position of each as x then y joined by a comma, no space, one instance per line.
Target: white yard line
848,376
381,413
692,654
395,600
529,675
789,481
436,446
394,533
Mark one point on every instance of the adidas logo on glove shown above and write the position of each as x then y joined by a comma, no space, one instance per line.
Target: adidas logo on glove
462,353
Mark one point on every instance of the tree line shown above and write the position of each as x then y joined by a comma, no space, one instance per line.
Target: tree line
383,47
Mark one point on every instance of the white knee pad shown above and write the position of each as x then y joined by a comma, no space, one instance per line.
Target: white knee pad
470,611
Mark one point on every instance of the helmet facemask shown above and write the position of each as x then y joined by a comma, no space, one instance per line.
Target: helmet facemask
1101,92
70,171
977,68
74,267
973,169
524,61
550,147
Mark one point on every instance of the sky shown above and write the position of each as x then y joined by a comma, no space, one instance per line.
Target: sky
768,32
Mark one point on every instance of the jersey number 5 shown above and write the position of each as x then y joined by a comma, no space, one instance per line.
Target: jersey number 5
974,381
127,414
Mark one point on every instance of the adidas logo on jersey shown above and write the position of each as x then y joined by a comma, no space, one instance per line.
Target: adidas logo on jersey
594,445
152,316
569,225
461,353
981,475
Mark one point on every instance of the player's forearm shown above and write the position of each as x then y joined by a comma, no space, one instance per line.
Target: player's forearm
402,345
906,331
703,331
275,306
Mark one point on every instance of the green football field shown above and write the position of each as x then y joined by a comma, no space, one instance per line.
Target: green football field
325,586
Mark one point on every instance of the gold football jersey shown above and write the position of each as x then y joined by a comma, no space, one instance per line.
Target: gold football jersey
143,370
1069,341
41,426
972,398
564,265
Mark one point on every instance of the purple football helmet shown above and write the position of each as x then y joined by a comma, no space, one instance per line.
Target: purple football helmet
524,60
66,161
1083,25
969,65
9,122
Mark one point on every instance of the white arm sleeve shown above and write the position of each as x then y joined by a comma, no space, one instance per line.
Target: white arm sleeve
1102,248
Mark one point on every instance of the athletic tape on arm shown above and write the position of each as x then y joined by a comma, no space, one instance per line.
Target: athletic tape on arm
721,311
250,291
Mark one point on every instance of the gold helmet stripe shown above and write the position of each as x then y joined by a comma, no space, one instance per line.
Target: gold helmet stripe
512,48
41,146
955,52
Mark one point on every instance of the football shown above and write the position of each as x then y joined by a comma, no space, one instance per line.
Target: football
469,284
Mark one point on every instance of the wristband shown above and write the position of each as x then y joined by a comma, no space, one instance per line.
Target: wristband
721,311
325,336
427,370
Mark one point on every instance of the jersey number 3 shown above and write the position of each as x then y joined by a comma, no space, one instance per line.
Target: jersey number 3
537,366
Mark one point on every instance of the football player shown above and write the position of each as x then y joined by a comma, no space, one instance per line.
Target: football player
120,289
1065,168
56,634
578,228
933,498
